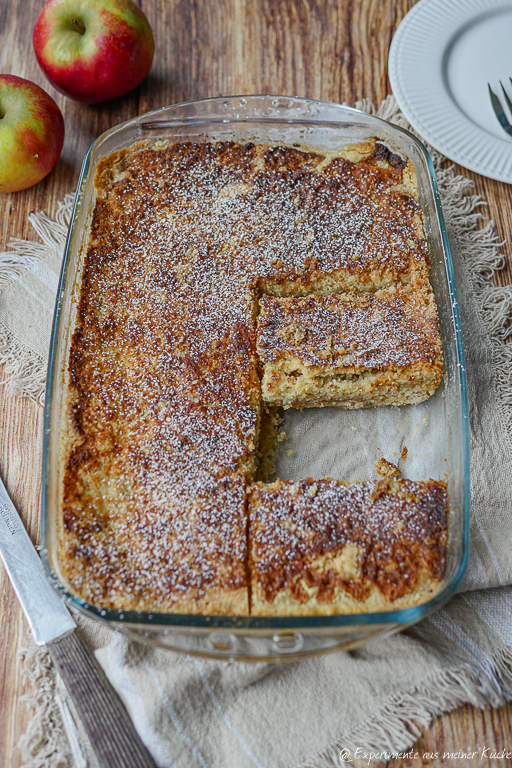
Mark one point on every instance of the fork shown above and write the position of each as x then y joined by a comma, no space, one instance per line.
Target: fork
498,109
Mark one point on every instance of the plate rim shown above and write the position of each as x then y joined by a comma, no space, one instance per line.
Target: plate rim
412,27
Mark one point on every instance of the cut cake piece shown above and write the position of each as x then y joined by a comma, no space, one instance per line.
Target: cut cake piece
350,349
326,547
134,541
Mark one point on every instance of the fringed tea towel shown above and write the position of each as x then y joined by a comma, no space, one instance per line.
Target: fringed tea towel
345,706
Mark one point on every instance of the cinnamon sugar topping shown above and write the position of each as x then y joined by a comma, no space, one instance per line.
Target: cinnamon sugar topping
164,396
398,533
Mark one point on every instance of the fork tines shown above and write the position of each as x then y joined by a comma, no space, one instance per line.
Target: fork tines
498,109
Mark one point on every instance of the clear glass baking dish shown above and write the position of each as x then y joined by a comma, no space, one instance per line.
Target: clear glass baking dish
436,431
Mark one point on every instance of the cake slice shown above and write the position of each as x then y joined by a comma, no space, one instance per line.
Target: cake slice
350,349
327,547
137,543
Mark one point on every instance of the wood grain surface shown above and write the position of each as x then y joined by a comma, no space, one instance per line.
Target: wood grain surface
334,50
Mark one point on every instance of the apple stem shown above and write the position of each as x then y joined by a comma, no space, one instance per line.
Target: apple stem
78,25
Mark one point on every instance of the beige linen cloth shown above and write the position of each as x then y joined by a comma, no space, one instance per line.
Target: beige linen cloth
196,713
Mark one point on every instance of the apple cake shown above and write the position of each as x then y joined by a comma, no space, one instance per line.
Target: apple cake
324,546
350,349
222,279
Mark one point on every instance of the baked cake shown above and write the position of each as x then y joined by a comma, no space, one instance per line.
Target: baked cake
323,546
350,349
215,273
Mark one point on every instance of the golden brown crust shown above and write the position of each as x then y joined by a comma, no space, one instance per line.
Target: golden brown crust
164,395
323,546
154,546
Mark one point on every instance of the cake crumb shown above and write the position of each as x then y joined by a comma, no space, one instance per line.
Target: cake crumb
281,436
289,453
381,488
404,453
386,468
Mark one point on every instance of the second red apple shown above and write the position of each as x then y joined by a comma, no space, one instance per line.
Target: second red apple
93,50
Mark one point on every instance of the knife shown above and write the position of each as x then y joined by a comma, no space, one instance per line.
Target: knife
107,723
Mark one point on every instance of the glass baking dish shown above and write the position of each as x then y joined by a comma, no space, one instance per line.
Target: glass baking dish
436,431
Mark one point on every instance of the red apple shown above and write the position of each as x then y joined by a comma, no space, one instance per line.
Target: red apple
31,133
93,50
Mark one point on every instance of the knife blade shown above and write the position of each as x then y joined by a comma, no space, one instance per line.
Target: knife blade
45,612
107,723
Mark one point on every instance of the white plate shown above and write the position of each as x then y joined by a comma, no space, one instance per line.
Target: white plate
441,58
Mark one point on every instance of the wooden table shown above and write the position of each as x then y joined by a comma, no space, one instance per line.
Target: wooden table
334,50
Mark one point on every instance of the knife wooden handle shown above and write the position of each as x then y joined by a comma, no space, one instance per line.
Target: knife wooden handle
106,721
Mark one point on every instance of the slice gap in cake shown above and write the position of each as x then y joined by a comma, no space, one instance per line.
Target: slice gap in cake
269,435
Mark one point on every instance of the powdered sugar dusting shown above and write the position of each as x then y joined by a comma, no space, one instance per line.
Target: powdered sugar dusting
391,328
399,527
163,364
